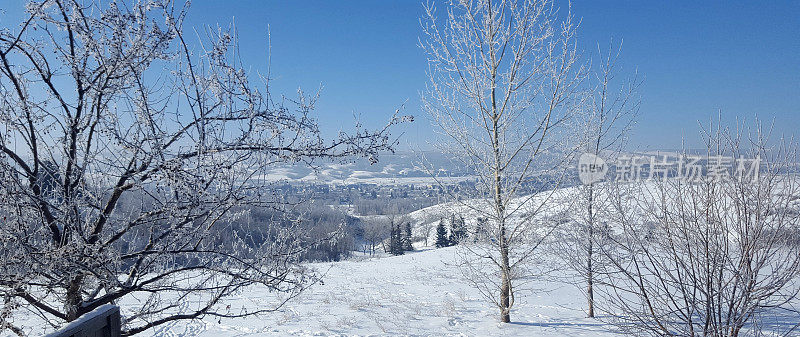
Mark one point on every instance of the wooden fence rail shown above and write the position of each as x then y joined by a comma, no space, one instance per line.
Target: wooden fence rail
101,322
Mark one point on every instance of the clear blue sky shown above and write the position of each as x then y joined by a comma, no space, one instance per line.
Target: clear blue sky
696,57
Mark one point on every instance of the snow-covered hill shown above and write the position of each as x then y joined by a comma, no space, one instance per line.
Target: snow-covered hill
391,169
541,206
418,294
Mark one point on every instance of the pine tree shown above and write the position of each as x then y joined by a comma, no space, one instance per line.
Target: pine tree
396,240
407,246
392,238
441,235
458,230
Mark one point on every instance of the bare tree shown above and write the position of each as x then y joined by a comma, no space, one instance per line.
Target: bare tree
502,92
612,109
430,219
710,256
375,232
425,229
125,154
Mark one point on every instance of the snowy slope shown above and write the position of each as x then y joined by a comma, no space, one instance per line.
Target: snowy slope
418,294
543,205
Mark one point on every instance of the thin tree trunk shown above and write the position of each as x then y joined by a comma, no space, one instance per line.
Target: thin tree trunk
505,268
590,251
505,287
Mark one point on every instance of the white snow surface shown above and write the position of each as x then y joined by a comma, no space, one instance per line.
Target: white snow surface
417,294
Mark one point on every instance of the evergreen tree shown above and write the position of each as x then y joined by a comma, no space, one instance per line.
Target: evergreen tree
392,238
407,246
458,230
396,240
441,235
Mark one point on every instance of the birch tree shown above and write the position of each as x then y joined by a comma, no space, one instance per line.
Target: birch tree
125,153
502,93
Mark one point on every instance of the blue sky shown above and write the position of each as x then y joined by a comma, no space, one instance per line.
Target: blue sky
697,58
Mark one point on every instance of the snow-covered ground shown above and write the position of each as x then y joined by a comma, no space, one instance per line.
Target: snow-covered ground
417,294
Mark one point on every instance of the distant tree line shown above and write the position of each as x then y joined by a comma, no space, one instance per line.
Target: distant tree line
390,205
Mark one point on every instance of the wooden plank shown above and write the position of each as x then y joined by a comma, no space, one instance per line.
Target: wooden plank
101,322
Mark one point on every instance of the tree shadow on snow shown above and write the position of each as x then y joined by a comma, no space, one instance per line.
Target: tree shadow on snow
597,326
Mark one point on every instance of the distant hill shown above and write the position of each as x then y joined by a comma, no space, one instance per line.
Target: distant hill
397,168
